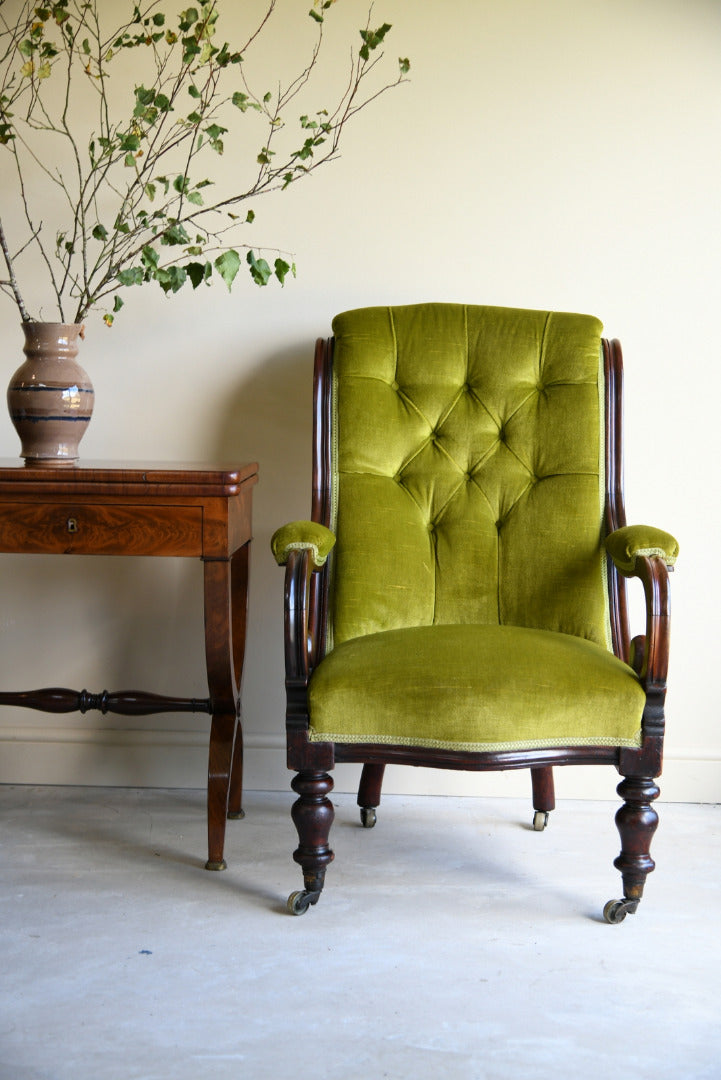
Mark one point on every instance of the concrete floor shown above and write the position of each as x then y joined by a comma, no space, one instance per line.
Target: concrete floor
451,942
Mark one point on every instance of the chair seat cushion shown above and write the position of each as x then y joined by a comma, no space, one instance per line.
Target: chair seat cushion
475,688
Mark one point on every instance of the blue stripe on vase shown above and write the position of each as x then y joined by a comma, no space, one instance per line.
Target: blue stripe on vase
24,418
51,389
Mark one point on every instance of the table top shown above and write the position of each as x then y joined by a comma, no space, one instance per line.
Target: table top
126,478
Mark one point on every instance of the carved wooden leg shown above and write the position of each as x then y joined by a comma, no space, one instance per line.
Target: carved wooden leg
544,797
220,757
235,798
369,793
226,590
636,821
312,815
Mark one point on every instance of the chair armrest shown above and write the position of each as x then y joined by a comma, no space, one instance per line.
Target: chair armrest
649,652
302,536
303,548
648,554
627,544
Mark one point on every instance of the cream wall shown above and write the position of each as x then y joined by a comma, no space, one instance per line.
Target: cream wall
557,155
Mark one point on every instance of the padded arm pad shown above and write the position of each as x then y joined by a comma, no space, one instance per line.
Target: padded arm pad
302,536
625,544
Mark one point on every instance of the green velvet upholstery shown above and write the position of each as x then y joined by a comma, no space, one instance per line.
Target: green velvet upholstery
469,482
469,605
625,544
301,536
475,688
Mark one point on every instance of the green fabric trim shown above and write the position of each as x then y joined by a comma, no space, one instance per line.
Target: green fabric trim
474,747
302,536
624,545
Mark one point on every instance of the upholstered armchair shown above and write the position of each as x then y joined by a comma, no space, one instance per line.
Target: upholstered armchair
458,598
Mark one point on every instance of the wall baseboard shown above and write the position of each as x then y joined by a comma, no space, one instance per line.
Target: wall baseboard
178,759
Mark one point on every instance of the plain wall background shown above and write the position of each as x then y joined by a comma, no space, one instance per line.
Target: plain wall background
562,155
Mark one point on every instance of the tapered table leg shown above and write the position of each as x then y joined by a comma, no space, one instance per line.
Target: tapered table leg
226,591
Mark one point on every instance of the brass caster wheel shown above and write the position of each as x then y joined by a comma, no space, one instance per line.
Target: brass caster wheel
222,865
540,820
616,911
368,817
236,815
299,902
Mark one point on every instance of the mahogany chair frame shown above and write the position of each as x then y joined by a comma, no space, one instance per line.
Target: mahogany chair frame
306,612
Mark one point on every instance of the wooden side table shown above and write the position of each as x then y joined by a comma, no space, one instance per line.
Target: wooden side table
109,508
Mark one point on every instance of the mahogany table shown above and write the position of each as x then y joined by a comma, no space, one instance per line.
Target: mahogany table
114,508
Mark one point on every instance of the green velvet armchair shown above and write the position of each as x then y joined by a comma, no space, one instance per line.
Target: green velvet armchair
459,597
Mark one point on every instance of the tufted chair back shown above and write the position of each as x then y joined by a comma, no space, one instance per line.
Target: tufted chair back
468,470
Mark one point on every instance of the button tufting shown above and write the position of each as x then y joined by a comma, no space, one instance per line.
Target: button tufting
394,385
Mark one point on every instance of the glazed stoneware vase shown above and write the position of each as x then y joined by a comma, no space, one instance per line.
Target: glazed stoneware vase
50,396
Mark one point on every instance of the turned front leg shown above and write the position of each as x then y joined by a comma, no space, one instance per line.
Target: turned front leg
636,821
312,815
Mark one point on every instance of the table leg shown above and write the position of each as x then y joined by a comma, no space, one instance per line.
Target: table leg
226,598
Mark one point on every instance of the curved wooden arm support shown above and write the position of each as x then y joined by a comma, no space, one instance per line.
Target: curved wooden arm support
298,571
300,644
652,649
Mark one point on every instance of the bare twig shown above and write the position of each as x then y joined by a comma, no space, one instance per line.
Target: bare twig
12,280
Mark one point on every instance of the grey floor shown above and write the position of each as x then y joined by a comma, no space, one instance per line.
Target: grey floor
451,941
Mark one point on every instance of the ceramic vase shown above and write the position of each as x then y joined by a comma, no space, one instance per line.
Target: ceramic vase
50,396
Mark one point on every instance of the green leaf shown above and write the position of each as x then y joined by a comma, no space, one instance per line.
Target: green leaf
187,18
194,92
227,266
404,65
282,269
372,39
144,96
150,257
129,142
100,232
195,198
315,15
259,269
213,131
108,319
133,276
191,49
198,272
174,234
150,190
243,102
118,303
171,278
